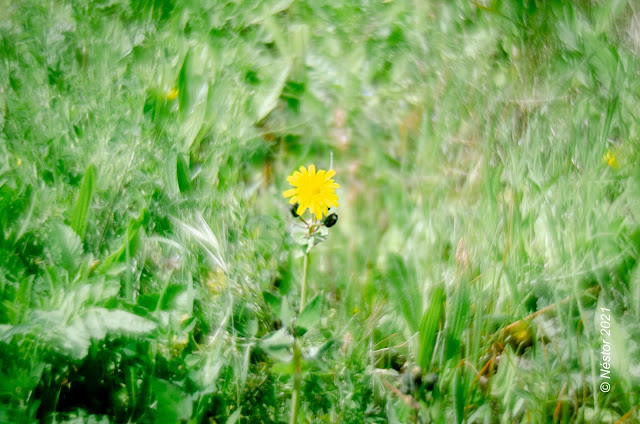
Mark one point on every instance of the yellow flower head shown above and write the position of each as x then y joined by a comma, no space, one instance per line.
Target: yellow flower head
312,190
610,159
171,95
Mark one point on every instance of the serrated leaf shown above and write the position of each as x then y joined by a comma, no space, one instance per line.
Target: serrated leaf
65,246
81,209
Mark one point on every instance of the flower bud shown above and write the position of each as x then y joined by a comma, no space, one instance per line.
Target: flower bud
330,220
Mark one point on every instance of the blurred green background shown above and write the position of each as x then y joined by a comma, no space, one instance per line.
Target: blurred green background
487,154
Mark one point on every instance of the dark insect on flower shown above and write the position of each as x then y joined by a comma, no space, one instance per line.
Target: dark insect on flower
331,220
294,210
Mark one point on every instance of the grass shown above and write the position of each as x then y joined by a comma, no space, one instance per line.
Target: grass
488,227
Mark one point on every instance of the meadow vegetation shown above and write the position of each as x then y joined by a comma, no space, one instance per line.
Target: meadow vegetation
487,156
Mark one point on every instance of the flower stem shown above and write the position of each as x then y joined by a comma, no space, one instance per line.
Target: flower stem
297,380
297,355
303,289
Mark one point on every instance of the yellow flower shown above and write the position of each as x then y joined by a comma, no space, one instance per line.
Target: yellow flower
312,190
171,95
610,159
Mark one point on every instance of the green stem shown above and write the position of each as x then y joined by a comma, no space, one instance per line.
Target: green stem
297,380
297,355
303,289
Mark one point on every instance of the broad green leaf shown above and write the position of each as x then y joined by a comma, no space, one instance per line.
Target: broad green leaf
277,345
174,405
280,339
81,208
274,302
310,316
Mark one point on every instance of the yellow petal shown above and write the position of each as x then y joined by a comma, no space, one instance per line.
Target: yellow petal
318,213
303,170
290,192
301,209
330,173
312,170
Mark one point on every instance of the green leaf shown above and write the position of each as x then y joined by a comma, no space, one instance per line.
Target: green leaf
74,339
173,404
170,297
429,326
274,302
310,316
457,319
459,398
182,171
134,233
405,291
280,339
65,247
267,96
234,417
277,345
81,208
116,321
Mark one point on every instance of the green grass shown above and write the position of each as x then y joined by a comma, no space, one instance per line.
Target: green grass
147,273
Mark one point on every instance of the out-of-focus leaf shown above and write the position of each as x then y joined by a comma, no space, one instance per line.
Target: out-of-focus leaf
459,399
132,238
457,319
233,418
310,316
274,302
404,290
65,247
73,339
277,344
429,326
81,208
266,98
182,171
173,404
